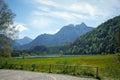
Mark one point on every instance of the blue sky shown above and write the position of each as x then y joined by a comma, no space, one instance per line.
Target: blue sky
35,17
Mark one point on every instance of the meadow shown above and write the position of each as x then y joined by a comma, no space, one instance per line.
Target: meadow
108,65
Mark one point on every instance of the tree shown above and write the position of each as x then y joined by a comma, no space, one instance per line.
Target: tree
61,53
117,37
6,32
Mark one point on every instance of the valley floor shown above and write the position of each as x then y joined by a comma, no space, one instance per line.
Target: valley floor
108,65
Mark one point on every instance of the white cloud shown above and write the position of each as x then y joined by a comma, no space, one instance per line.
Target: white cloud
52,31
79,16
47,2
71,12
12,30
55,14
43,8
61,15
108,9
64,15
83,8
40,23
20,27
89,9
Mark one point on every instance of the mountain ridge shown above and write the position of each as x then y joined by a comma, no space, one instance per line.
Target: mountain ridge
66,34
101,40
24,40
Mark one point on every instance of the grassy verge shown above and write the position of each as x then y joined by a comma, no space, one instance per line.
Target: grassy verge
108,65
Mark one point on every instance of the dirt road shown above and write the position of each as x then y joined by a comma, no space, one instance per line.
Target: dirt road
27,75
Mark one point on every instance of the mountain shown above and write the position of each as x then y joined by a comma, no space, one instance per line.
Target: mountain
23,41
105,39
70,33
67,34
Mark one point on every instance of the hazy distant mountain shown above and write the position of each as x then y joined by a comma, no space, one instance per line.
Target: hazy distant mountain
70,33
67,34
23,41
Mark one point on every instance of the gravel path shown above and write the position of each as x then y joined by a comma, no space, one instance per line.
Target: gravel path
27,75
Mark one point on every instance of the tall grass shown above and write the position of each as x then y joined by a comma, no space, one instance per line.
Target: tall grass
108,65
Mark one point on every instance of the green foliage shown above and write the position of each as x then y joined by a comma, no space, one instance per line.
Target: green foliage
118,57
16,53
99,41
108,65
117,38
5,49
39,49
6,19
61,53
44,50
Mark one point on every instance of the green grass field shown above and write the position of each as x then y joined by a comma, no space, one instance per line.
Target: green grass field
108,65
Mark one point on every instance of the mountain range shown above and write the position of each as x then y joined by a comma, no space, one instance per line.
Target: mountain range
105,39
67,34
23,41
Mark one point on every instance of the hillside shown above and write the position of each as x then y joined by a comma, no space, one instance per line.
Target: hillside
23,41
102,40
67,34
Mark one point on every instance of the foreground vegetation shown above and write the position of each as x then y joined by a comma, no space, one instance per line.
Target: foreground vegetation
108,65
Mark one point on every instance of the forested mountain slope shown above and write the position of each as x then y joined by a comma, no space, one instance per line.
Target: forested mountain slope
104,39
